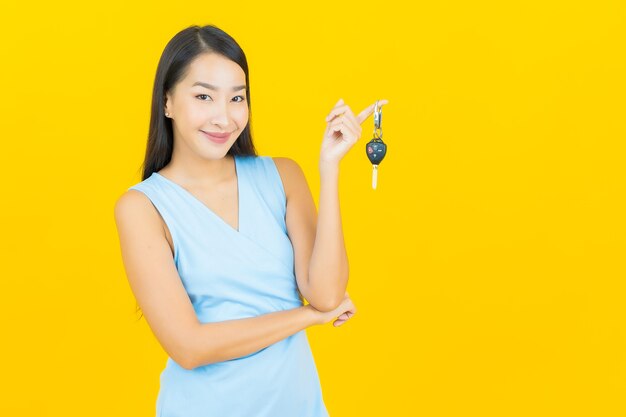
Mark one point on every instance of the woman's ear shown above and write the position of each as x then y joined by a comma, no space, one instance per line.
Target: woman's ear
167,110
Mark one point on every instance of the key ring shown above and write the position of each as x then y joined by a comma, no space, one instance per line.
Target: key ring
378,118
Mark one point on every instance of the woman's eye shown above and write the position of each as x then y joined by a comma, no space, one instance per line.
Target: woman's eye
205,95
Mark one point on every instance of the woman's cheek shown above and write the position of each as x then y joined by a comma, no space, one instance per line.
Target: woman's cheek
196,113
242,117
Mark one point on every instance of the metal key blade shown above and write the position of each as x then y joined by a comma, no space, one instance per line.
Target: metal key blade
374,176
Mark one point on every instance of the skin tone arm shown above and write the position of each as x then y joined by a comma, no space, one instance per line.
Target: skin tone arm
321,261
328,271
165,304
308,231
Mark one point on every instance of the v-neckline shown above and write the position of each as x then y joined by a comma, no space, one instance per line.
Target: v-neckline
206,208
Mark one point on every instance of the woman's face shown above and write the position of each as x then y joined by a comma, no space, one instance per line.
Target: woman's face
218,106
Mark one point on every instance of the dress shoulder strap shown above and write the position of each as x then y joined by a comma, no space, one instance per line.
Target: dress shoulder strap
269,186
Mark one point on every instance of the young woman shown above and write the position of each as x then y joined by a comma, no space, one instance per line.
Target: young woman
221,246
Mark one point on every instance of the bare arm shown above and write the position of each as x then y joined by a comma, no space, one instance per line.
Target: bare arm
321,263
328,270
158,289
224,340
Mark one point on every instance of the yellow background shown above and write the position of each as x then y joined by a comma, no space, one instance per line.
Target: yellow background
487,268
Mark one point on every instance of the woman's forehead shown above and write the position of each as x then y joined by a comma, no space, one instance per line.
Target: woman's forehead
216,70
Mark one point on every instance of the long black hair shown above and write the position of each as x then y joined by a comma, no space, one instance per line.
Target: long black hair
180,51
178,54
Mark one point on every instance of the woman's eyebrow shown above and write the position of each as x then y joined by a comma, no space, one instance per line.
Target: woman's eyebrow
212,87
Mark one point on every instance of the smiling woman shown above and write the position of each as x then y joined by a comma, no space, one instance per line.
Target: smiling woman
211,240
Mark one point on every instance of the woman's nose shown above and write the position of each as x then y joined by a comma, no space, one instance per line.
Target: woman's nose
219,114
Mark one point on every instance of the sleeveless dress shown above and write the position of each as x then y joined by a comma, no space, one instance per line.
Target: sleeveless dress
233,274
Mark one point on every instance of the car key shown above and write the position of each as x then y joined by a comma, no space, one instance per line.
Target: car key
376,149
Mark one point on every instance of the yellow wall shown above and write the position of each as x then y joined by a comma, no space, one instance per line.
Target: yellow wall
497,288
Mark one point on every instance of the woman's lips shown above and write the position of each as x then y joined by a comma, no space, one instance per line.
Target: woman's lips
217,137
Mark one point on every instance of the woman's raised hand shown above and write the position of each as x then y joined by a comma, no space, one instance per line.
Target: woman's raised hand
343,130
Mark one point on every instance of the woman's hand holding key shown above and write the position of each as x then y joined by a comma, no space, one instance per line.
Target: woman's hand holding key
343,130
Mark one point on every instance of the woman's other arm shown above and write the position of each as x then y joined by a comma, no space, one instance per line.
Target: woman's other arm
158,289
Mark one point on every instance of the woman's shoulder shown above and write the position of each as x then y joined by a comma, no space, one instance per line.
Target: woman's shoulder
140,196
282,163
136,203
290,172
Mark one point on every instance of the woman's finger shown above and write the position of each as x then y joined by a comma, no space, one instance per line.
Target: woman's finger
337,110
355,127
342,112
349,116
345,128
337,124
369,110
339,322
346,121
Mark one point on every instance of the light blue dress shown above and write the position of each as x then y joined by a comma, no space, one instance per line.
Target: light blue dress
232,274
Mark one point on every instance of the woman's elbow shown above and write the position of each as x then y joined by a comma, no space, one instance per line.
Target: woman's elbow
185,353
327,304
183,357
186,361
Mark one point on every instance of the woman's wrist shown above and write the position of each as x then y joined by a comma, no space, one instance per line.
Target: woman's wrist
328,167
314,314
